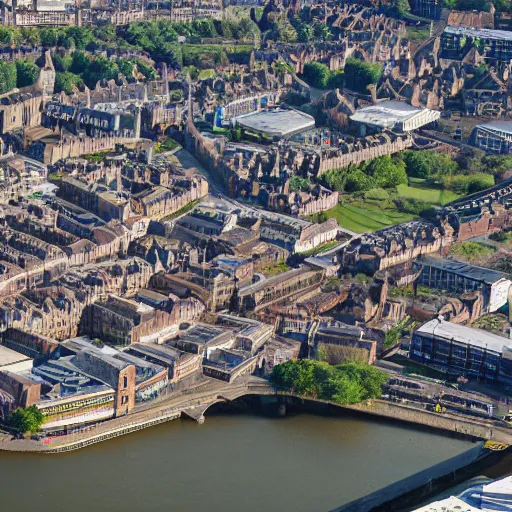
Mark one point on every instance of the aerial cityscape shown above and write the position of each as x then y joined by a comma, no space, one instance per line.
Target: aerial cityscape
287,220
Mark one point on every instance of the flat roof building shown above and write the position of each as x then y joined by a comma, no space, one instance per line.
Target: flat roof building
466,351
13,361
459,277
393,115
278,123
493,137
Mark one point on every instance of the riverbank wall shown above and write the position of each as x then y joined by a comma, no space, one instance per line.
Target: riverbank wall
426,484
466,426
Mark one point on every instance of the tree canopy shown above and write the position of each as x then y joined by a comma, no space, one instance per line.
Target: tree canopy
27,73
26,420
359,74
348,383
8,77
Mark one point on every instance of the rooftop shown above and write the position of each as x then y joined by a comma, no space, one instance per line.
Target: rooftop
385,113
481,274
497,126
278,122
482,33
465,335
9,357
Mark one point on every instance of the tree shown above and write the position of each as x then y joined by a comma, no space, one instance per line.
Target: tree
26,420
386,172
335,179
305,33
401,6
359,74
348,383
321,31
27,73
67,82
317,74
337,80
424,164
7,77
299,183
49,37
357,181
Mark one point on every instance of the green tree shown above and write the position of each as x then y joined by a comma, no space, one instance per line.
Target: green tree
299,183
424,164
348,383
7,77
105,32
337,80
49,37
31,35
402,7
387,172
317,74
321,31
359,74
27,73
305,33
358,181
67,81
335,179
27,420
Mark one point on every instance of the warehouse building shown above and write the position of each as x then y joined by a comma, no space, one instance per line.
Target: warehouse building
393,115
275,124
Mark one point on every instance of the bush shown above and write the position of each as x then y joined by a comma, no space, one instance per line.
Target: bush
472,252
378,194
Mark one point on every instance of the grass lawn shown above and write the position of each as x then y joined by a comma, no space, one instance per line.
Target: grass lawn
275,269
365,216
421,32
166,145
206,73
427,193
321,248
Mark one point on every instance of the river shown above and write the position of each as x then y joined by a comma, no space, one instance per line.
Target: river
231,463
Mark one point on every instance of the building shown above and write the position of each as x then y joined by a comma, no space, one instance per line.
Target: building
121,321
392,115
14,361
275,124
458,277
351,340
463,350
482,497
494,137
179,364
497,44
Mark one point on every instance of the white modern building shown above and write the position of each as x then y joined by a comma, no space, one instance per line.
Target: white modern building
393,115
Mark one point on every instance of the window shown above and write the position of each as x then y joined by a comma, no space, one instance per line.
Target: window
124,400
125,382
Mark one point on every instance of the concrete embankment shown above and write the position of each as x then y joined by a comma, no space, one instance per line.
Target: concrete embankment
407,491
476,428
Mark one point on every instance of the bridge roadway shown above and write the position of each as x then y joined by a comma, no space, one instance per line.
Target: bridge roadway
191,403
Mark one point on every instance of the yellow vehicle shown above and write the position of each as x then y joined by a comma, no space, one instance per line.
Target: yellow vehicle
508,418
